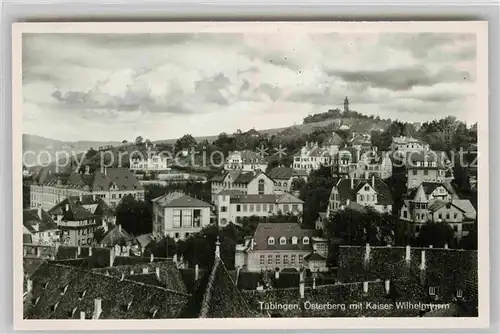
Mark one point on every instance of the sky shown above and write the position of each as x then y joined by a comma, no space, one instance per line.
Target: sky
161,86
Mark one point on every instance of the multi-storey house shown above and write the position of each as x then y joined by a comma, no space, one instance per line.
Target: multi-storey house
312,157
110,184
39,227
374,163
76,222
256,182
233,206
427,166
178,215
438,202
334,143
403,144
246,161
372,192
150,160
346,163
281,246
283,178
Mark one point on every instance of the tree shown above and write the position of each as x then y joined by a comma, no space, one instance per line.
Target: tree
316,194
138,140
99,235
436,234
134,216
124,142
298,184
184,143
470,240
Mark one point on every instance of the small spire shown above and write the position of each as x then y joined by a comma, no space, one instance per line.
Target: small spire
217,248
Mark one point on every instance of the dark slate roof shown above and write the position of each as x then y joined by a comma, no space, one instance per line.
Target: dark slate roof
123,178
216,296
278,230
99,206
284,198
73,212
116,236
429,187
219,177
300,172
335,139
179,200
31,218
384,196
144,239
313,256
247,177
281,173
149,279
62,292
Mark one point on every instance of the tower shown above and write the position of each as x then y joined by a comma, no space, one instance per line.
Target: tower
346,104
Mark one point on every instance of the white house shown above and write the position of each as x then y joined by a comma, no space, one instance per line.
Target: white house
178,215
312,157
246,161
256,182
372,192
232,206
39,227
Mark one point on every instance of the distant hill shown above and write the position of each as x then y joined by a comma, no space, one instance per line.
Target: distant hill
38,144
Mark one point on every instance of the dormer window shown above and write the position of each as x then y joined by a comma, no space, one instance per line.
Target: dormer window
270,241
282,241
295,240
305,240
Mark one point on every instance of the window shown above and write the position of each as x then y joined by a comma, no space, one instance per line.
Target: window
278,259
269,259
177,221
460,293
282,241
362,198
257,207
177,235
426,172
261,187
405,214
417,228
301,259
455,215
223,221
285,208
295,240
440,216
264,207
187,234
285,259
238,208
187,218
455,228
414,172
262,260
305,240
432,290
270,241
292,258
245,208
271,207
223,208
448,216
295,207
197,218
367,188
251,207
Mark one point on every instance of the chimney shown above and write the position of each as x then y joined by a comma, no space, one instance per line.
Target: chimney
93,197
367,253
111,256
97,308
38,251
151,257
408,253
29,285
81,197
157,269
422,260
145,270
277,274
82,315
120,228
39,212
87,170
352,182
196,272
67,207
105,170
175,258
365,287
373,181
314,282
217,248
387,286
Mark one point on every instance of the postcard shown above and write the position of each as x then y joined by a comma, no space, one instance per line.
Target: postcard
187,175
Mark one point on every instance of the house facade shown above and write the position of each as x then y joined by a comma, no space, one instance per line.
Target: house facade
246,161
438,203
372,192
178,215
311,157
372,162
427,167
149,161
256,182
233,206
405,144
279,246
39,227
110,184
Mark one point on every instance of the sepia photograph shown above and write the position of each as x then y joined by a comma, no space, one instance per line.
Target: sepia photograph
252,170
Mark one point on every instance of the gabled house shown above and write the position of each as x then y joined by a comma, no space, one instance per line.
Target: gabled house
375,163
77,223
372,192
345,163
149,160
283,178
178,215
334,143
39,227
279,246
438,203
427,166
311,157
403,144
251,183
246,160
110,184
232,206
